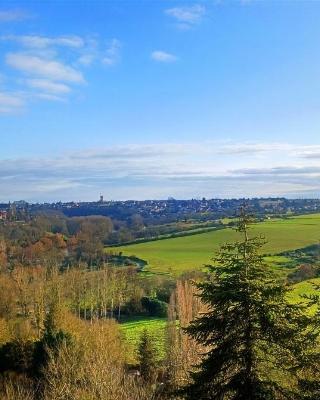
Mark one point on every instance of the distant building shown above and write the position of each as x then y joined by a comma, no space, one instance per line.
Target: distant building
101,198
20,203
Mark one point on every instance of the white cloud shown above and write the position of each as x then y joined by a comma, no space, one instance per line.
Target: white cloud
86,59
49,97
112,53
10,102
41,42
187,16
253,149
162,170
50,69
311,153
162,56
12,15
286,170
48,86
52,65
91,52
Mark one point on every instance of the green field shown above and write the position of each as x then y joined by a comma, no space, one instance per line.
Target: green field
193,252
133,329
304,288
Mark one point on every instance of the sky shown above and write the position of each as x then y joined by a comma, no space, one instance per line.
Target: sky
145,99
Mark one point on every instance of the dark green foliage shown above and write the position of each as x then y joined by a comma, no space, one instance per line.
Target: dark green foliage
306,255
257,344
147,357
133,307
310,380
311,387
51,341
165,289
17,356
155,307
31,357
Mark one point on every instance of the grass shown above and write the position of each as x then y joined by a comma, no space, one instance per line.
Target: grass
132,330
304,288
181,254
282,265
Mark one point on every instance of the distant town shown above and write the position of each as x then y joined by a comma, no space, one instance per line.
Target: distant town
161,211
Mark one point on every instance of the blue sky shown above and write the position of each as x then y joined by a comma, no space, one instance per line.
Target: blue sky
150,99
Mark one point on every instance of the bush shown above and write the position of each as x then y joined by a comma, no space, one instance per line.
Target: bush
17,356
133,307
51,342
303,272
155,307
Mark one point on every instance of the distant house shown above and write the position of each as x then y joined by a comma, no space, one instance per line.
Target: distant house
3,215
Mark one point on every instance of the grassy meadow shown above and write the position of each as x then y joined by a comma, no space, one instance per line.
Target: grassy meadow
181,254
304,288
132,331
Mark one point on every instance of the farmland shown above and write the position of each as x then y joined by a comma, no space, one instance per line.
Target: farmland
178,255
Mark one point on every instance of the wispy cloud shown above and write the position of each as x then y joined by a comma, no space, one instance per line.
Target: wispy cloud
33,65
311,153
49,97
160,170
48,67
284,170
41,42
112,53
187,16
86,59
255,148
13,15
10,102
163,56
48,86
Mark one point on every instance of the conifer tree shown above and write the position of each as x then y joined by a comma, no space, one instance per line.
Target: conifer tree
310,379
52,340
257,343
147,357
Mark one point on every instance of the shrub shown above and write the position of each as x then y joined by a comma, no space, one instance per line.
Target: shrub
17,356
155,307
